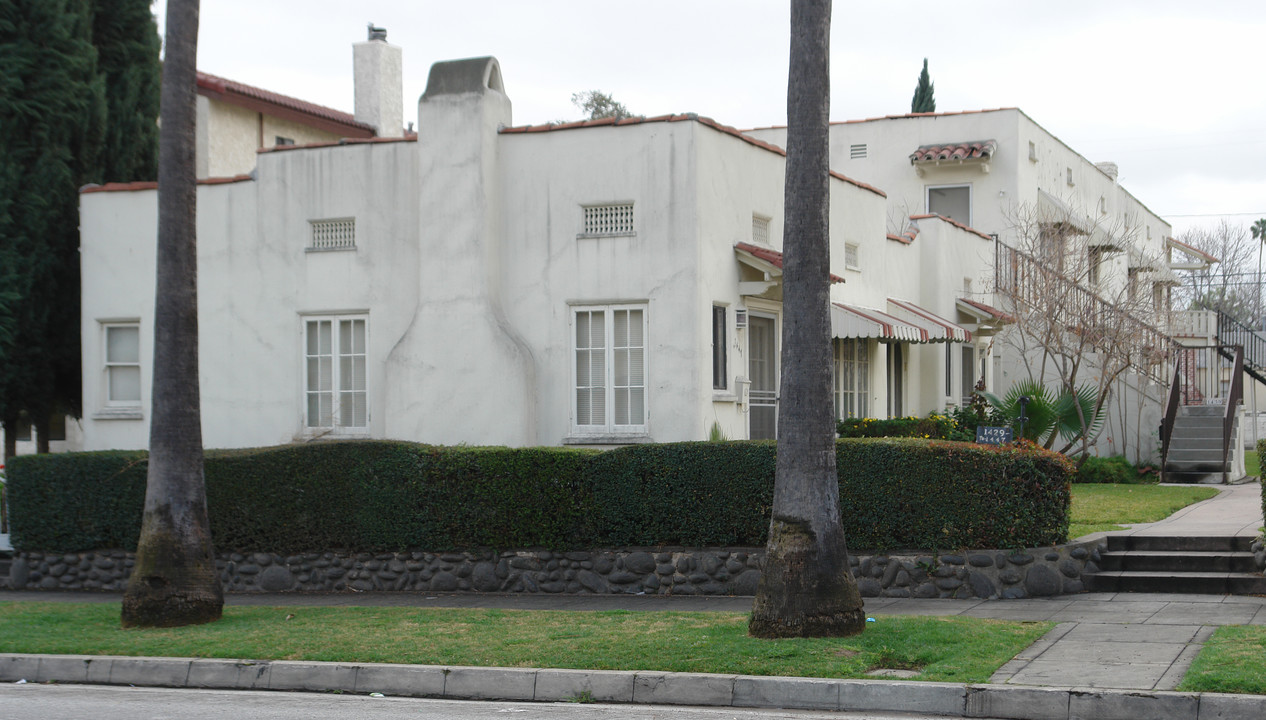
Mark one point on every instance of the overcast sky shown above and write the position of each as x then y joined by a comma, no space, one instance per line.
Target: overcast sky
1169,90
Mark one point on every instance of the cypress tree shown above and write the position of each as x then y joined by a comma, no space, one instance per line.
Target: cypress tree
923,101
70,114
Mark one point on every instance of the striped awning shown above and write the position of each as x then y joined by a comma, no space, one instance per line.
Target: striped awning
938,328
849,321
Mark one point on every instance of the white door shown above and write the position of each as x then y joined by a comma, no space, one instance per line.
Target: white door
762,368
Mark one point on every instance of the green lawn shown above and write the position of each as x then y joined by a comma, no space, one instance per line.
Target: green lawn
1252,464
1232,661
1097,508
952,649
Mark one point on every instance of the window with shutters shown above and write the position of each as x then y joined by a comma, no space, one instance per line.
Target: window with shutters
335,382
609,370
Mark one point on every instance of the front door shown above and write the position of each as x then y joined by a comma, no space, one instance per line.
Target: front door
762,368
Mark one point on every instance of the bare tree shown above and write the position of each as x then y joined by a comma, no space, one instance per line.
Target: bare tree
1230,285
174,581
1085,308
806,589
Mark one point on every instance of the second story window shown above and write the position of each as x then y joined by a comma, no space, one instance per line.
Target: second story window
951,201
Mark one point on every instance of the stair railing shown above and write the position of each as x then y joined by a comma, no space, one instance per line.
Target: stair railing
1234,332
1232,405
1171,414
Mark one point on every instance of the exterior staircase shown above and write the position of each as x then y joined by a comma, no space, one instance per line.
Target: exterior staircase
1174,564
1196,446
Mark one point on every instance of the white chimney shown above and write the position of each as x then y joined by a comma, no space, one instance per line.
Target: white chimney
379,82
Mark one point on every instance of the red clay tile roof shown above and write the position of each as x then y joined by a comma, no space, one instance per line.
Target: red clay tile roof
953,222
974,150
282,106
773,257
685,117
1184,247
905,239
988,310
151,185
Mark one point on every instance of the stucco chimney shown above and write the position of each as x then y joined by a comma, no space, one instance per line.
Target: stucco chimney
379,83
1108,168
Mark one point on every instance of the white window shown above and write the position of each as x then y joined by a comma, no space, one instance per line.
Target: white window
852,378
851,259
335,395
613,219
951,201
337,234
760,230
609,369
123,364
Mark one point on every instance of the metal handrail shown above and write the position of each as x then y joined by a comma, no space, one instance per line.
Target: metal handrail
1171,414
1234,332
1232,402
1023,277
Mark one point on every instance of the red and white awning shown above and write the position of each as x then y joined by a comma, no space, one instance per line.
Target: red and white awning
938,328
849,321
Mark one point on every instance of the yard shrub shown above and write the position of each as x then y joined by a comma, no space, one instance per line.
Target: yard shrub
1261,463
933,427
375,496
1115,469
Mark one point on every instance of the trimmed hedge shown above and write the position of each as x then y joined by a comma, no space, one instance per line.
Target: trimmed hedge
933,427
377,496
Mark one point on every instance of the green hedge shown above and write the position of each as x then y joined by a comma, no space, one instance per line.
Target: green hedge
1115,469
932,427
385,496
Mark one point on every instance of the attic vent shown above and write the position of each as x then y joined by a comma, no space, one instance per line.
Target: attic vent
609,219
336,234
760,230
857,152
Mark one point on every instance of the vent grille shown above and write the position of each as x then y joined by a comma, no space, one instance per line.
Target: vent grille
850,257
339,234
609,219
760,230
857,152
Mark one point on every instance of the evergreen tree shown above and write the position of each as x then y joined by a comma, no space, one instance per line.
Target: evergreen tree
52,118
598,105
127,42
78,104
923,101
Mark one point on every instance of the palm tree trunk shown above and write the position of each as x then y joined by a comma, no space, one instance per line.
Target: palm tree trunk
174,581
806,589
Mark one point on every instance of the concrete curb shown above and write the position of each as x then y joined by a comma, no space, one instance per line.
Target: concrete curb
665,688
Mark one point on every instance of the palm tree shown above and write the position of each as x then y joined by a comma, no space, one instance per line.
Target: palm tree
806,589
1259,234
174,581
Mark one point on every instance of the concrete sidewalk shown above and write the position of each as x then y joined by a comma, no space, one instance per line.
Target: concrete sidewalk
1111,655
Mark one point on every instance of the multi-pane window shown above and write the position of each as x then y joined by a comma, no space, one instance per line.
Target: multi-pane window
718,348
123,364
609,369
951,201
613,219
852,378
335,373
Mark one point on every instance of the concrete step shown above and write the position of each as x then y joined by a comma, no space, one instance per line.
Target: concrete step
1195,411
1180,543
1174,561
1197,583
1195,478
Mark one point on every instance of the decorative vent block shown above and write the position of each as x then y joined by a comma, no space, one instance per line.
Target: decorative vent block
850,257
338,234
609,219
760,230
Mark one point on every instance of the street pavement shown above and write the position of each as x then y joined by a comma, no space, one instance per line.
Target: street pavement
1110,654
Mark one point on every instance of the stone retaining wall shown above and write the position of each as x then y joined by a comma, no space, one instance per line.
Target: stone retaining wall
725,571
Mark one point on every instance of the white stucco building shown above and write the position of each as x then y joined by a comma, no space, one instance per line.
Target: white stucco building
591,283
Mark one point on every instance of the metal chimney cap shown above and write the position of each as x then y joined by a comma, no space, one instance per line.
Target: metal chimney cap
377,33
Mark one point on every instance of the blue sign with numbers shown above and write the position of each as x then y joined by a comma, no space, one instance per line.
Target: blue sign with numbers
993,435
